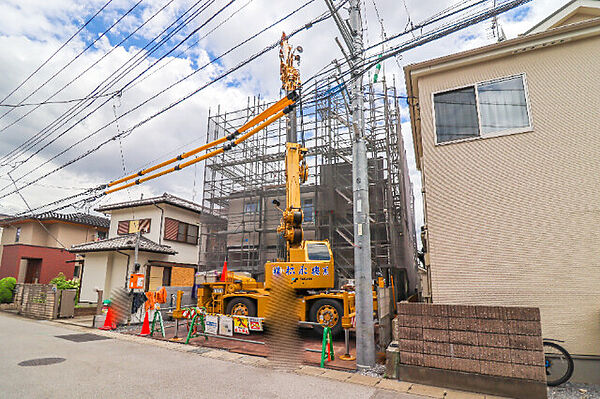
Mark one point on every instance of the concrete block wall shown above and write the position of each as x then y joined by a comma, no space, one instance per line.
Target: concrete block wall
487,340
36,300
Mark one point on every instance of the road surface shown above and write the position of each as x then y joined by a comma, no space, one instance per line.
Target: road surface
115,368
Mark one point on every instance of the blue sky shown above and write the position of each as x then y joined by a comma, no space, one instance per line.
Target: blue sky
31,32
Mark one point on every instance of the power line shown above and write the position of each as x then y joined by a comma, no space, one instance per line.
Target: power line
174,104
162,91
34,217
57,51
69,114
191,45
73,60
196,13
72,100
87,69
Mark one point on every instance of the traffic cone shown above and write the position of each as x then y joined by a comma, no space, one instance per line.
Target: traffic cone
146,326
224,272
109,323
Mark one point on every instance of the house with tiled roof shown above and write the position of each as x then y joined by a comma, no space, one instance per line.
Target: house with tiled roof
34,249
169,245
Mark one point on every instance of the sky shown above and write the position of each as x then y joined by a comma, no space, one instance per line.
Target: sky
31,31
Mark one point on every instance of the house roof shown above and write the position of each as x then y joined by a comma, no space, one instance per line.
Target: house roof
163,199
566,14
553,36
124,242
78,218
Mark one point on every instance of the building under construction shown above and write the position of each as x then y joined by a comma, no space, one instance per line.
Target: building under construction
241,184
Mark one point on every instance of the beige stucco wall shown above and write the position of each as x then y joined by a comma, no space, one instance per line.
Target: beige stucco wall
94,275
141,212
107,271
514,220
186,253
70,234
34,234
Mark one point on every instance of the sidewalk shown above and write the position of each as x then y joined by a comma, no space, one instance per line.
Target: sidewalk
389,388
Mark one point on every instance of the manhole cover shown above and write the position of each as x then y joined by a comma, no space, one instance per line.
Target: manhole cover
82,337
42,362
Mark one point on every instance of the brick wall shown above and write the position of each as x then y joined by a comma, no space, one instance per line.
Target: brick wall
39,301
487,340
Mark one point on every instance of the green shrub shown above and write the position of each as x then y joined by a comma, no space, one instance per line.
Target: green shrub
7,286
63,284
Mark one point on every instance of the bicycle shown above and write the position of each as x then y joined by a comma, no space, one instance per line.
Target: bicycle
557,361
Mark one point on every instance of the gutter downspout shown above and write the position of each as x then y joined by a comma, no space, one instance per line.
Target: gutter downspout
160,231
127,268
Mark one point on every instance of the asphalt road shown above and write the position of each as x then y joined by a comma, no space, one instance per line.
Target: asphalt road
114,368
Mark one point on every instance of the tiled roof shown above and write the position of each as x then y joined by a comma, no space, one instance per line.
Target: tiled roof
163,199
80,218
122,243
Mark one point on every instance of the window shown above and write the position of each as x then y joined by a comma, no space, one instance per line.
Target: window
18,234
101,235
181,231
308,209
318,251
131,226
484,109
251,207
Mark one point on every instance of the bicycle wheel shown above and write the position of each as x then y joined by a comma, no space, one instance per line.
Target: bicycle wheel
558,362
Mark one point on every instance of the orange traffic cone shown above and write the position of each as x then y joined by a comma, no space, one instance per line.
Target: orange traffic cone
146,326
224,272
109,323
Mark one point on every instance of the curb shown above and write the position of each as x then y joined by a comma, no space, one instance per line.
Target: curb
261,362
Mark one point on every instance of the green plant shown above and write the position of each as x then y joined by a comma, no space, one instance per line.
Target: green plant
62,283
7,286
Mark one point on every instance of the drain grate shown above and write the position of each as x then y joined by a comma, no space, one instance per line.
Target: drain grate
45,361
82,337
200,350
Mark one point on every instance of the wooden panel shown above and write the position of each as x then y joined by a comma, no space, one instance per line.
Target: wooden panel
123,227
156,278
145,226
182,277
171,228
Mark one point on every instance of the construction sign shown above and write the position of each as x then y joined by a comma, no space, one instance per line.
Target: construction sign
211,325
255,324
226,326
240,325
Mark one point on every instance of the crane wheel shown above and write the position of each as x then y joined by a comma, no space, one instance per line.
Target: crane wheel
241,307
328,313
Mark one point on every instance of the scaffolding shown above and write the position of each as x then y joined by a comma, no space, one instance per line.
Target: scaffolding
240,184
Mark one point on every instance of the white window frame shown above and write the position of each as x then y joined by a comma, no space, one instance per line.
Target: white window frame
482,135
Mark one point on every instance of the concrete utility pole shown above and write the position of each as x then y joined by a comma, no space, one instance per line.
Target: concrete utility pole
365,335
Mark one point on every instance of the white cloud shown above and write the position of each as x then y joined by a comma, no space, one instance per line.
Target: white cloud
31,30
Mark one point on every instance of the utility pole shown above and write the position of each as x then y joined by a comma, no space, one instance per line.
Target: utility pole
365,335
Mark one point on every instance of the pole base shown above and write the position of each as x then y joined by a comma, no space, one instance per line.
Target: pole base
176,339
347,357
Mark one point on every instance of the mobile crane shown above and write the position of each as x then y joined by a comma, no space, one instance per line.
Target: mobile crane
307,265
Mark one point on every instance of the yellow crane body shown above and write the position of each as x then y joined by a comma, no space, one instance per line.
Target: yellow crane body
308,266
